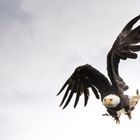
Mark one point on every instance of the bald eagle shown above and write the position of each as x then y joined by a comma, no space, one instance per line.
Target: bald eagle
110,91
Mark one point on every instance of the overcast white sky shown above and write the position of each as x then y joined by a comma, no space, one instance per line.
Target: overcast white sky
41,43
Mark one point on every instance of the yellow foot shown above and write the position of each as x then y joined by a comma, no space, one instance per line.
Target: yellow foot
117,120
129,115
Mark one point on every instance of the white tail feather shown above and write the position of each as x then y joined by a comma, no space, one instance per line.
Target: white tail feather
132,102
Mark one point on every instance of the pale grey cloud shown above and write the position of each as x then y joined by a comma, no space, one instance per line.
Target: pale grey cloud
11,14
11,10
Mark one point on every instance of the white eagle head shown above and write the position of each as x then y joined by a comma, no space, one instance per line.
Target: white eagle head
111,101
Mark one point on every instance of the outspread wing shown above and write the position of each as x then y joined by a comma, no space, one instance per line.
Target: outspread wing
83,78
124,47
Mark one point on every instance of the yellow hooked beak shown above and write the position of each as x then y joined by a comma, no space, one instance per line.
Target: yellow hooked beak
107,102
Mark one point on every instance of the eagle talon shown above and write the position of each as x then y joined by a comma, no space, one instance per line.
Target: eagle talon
129,115
117,120
105,114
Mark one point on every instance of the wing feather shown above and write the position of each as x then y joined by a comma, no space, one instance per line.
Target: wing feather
78,93
65,95
86,95
134,48
95,92
76,99
70,95
130,24
124,47
65,84
128,54
69,99
83,78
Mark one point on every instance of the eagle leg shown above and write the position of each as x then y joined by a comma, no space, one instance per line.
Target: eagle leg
105,114
129,114
117,119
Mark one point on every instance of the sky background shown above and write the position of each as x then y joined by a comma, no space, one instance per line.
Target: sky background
41,43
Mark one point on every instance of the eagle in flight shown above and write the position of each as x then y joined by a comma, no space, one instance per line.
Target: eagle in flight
110,91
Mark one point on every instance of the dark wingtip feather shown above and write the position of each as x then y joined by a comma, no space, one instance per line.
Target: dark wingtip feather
95,92
86,100
76,100
86,95
78,93
65,84
131,23
135,48
68,100
128,54
65,95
